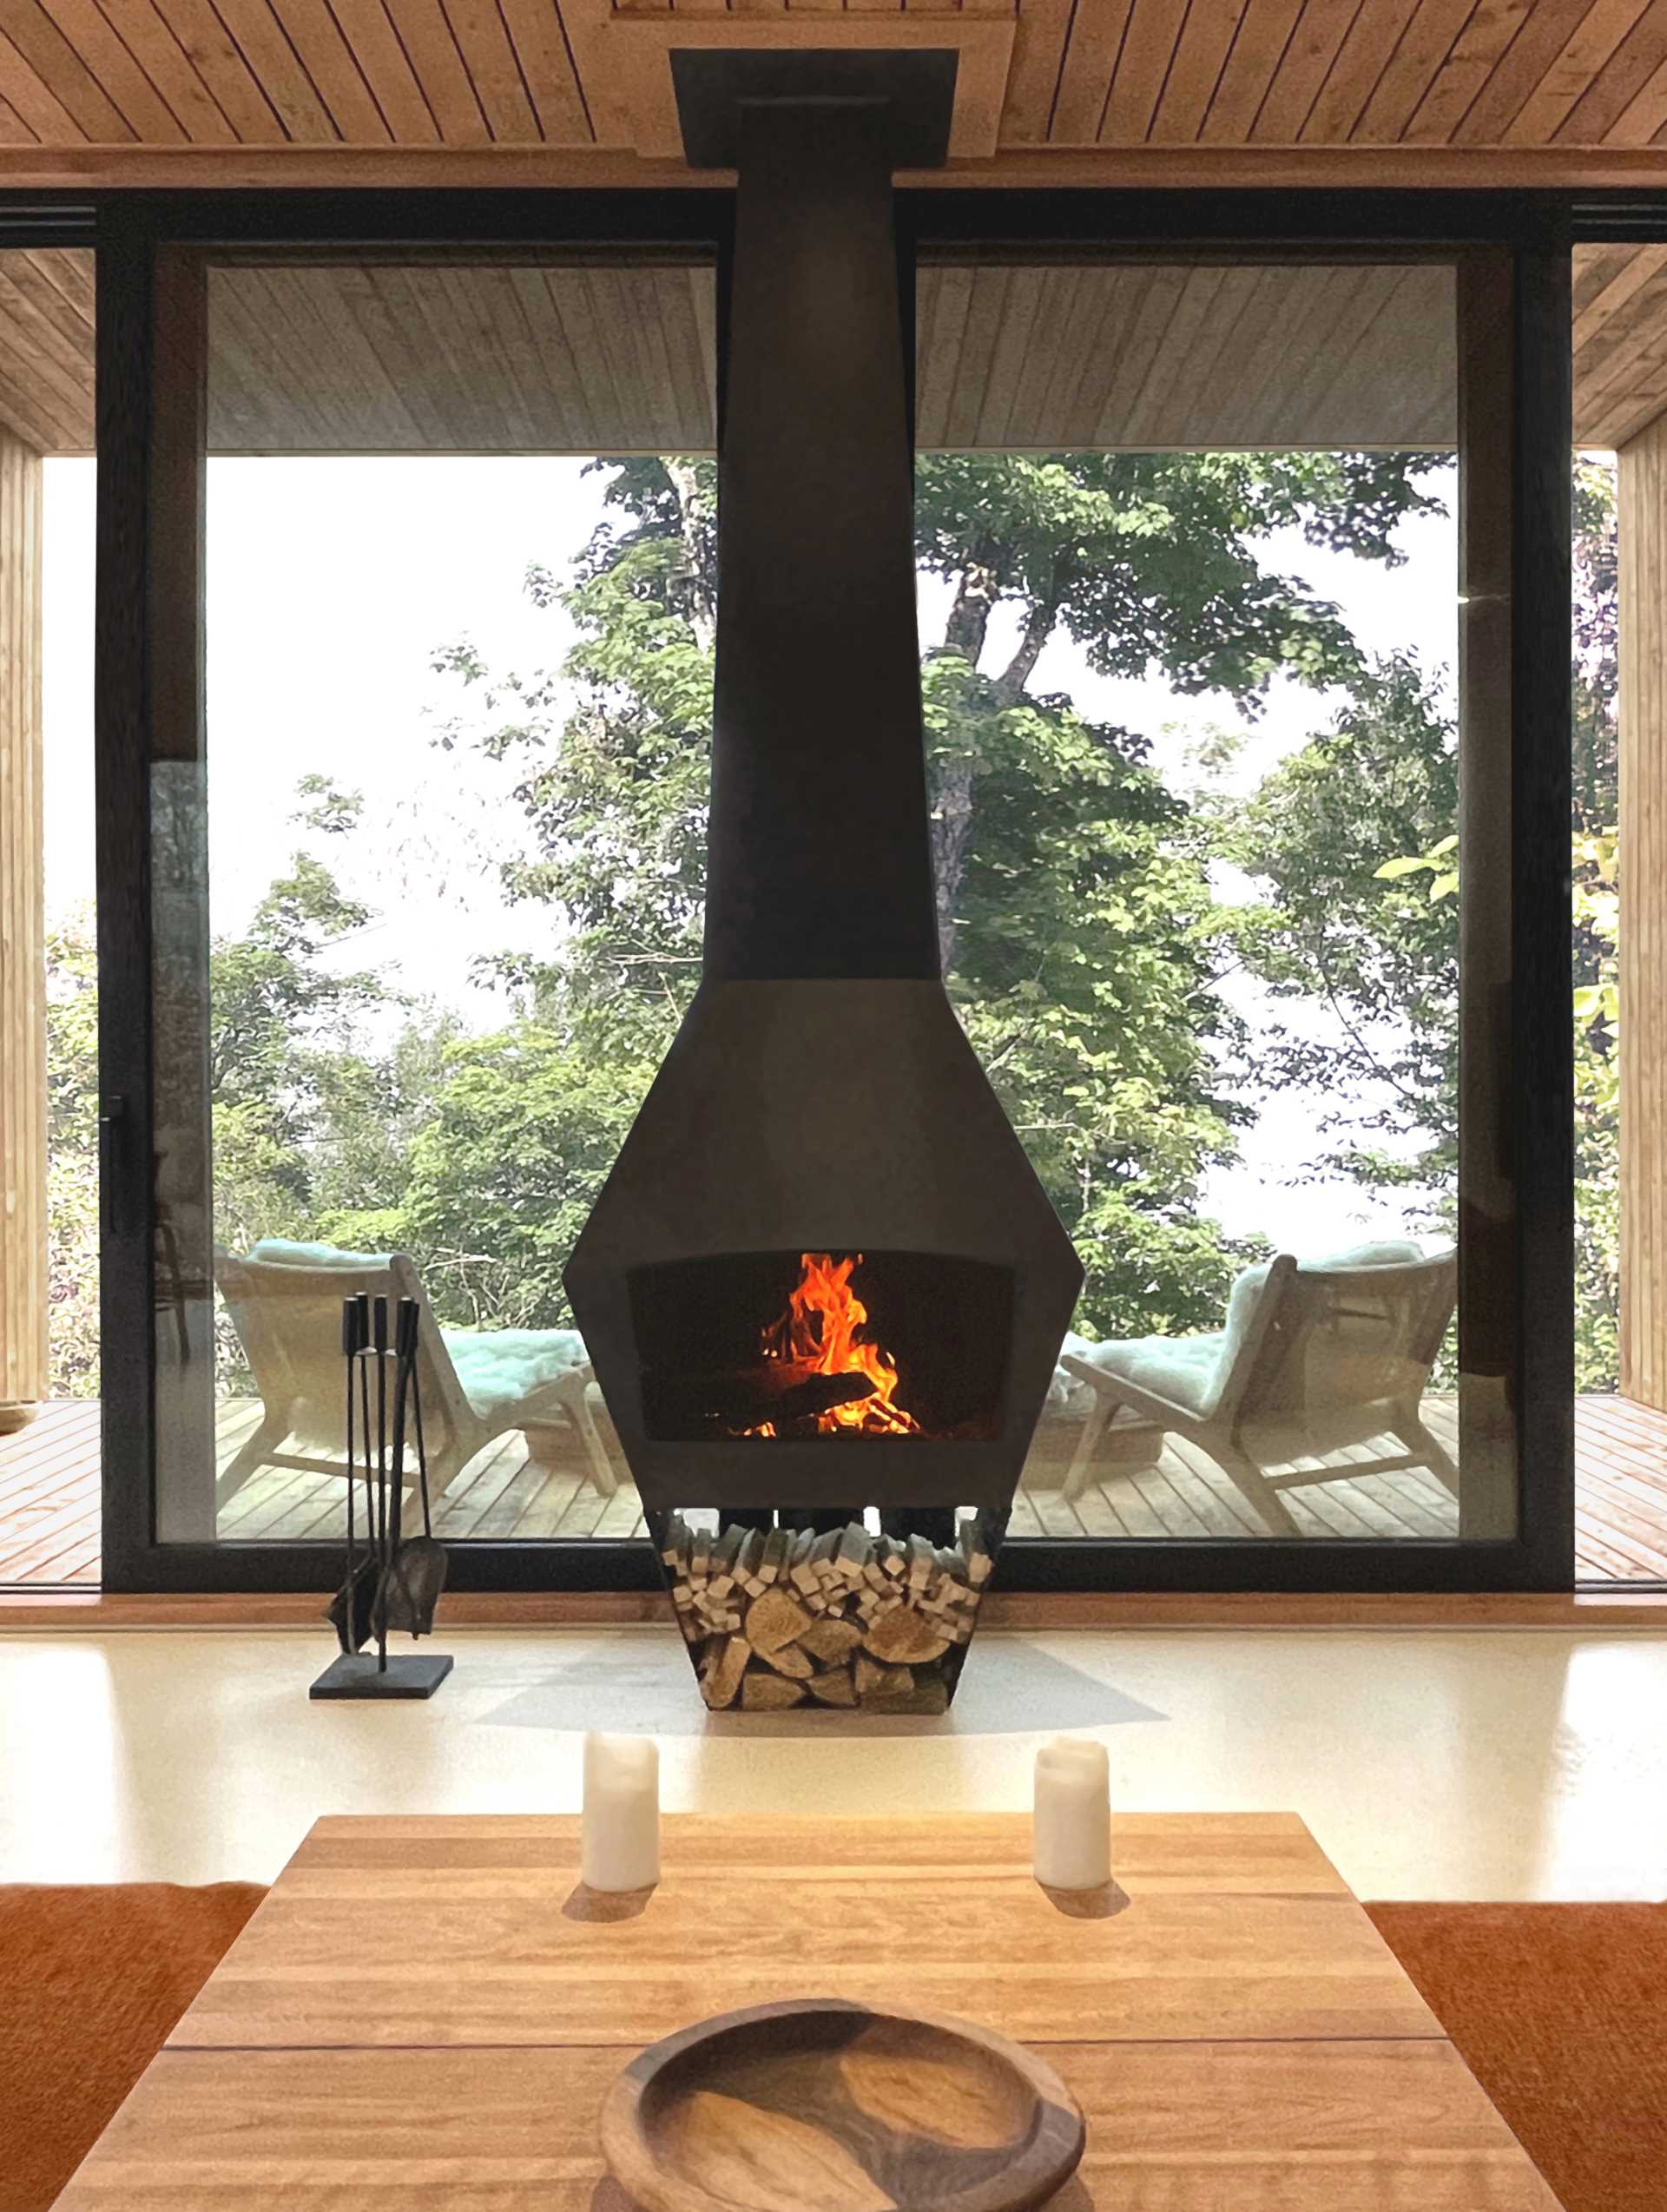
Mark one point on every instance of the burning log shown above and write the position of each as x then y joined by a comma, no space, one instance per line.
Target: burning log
777,1395
844,1619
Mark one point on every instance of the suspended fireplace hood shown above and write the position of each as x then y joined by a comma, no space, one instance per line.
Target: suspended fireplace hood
822,1268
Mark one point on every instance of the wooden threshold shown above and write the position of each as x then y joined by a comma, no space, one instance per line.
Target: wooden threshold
82,1610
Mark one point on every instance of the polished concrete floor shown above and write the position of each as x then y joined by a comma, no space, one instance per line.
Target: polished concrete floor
1457,1764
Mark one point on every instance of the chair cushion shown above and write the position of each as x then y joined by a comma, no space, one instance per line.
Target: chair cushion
1186,1370
501,1369
1191,1372
278,1251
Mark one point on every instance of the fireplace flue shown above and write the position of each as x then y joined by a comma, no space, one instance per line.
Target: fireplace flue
822,1269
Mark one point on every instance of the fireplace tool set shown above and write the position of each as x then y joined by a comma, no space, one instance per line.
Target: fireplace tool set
390,1580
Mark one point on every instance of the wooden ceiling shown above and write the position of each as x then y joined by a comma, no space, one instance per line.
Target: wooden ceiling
453,357
149,91
1620,341
46,349
1168,355
507,356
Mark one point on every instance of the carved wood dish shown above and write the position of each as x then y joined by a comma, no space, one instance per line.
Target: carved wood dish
817,2106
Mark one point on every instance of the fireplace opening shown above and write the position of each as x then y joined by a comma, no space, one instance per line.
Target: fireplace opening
834,1346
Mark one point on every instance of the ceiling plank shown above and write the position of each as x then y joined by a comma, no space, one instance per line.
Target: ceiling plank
1423,50
1637,265
1477,53
212,53
1091,63
14,131
310,26
547,64
490,59
438,65
381,60
167,65
1584,53
1149,46
83,26
1259,46
1612,91
1644,117
1368,46
1314,43
1025,290
33,100
56,62
1201,53
272,61
1520,69
1033,81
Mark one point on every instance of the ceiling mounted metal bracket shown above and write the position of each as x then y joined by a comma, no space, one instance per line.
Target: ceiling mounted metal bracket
913,87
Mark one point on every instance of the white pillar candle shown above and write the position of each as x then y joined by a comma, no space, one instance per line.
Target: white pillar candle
620,1848
1071,1824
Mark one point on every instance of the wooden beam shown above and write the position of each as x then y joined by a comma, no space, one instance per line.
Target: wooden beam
23,935
1150,168
1643,914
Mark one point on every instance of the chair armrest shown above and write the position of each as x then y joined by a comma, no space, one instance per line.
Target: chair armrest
559,1393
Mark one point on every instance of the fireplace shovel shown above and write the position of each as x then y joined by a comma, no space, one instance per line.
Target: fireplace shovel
416,1571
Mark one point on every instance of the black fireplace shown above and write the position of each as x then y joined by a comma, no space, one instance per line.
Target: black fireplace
821,1135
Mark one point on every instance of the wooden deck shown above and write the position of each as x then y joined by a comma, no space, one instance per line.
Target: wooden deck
49,1496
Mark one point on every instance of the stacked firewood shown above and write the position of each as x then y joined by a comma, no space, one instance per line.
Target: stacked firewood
842,1619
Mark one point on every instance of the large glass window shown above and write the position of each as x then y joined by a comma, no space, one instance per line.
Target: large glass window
440,864
1190,580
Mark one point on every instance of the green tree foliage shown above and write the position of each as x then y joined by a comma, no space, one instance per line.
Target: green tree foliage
1351,844
318,1075
1081,941
1075,914
72,1154
1348,845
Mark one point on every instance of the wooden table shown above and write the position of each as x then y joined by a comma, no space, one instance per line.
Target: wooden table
427,2011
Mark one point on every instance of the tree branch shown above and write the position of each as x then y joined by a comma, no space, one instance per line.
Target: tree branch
1038,628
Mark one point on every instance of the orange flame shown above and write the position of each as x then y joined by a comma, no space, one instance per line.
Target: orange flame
822,1331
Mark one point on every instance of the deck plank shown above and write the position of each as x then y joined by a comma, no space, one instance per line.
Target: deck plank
50,1496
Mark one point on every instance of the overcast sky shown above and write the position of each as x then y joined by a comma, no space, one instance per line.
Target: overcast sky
332,583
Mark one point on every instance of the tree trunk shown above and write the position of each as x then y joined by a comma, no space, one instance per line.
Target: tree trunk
701,602
955,780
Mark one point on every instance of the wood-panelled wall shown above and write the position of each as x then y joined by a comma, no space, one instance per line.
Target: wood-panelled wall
1643,914
23,966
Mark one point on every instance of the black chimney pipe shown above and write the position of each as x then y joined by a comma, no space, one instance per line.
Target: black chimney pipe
819,862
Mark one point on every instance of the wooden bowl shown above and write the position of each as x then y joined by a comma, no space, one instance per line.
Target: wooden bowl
822,2106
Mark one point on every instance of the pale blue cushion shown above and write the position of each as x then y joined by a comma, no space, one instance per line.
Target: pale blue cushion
1191,1372
279,1252
1186,1370
500,1369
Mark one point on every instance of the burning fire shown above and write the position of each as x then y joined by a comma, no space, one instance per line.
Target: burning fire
822,1332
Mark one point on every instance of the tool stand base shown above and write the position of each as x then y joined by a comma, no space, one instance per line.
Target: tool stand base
356,1674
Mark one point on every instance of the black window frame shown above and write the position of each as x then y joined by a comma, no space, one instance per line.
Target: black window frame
143,641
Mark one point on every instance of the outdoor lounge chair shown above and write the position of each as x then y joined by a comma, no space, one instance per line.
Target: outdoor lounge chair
1313,1359
285,1302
